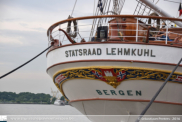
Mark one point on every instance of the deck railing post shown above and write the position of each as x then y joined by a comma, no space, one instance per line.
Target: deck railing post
137,31
111,31
49,38
59,34
166,30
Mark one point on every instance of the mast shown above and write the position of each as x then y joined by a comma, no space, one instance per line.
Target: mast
160,11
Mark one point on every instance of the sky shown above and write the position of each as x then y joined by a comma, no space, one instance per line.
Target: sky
23,28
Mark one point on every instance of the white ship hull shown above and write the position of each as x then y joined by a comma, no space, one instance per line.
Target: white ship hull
144,76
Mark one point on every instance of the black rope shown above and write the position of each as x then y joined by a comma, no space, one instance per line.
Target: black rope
24,63
154,97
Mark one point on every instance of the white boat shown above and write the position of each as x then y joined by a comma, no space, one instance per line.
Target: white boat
59,102
118,68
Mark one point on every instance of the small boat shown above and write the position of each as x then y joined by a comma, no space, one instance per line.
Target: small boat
59,102
113,64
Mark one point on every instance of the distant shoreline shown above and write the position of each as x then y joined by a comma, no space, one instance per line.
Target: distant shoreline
25,98
23,103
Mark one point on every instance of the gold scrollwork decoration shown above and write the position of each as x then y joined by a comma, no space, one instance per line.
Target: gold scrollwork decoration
132,73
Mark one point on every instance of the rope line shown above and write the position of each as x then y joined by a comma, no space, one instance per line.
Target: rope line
25,63
73,8
158,92
107,5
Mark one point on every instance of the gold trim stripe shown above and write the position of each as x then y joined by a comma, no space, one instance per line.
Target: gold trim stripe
106,67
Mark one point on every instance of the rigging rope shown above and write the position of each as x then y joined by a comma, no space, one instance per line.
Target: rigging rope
71,15
157,93
107,7
94,8
25,63
73,7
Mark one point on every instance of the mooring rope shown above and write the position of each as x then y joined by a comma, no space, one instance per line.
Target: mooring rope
25,63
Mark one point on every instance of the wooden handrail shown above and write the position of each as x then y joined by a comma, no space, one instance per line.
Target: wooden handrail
107,16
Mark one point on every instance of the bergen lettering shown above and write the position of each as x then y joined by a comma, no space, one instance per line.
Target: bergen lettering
119,92
111,51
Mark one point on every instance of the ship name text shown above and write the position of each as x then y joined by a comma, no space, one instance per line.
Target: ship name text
110,51
120,92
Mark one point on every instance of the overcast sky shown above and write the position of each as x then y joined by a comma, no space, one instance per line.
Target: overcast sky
23,27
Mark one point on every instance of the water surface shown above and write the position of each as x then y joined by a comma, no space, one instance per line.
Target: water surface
23,111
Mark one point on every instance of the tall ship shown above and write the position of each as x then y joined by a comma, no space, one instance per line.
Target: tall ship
113,64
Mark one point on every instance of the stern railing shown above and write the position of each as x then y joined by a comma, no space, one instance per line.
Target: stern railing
139,31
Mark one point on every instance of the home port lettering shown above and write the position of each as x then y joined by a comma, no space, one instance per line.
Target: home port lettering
120,92
110,51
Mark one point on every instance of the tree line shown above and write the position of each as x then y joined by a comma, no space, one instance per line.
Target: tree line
25,97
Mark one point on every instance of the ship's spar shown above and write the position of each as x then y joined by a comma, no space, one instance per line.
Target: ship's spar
159,11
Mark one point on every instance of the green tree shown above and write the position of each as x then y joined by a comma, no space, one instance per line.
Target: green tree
53,100
62,98
24,97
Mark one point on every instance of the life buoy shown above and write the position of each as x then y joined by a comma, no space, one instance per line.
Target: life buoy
74,34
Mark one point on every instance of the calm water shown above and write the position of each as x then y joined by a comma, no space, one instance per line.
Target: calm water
55,113
52,113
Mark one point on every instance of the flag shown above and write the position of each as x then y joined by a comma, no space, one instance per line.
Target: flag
108,72
179,78
60,78
180,10
98,75
121,75
100,6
